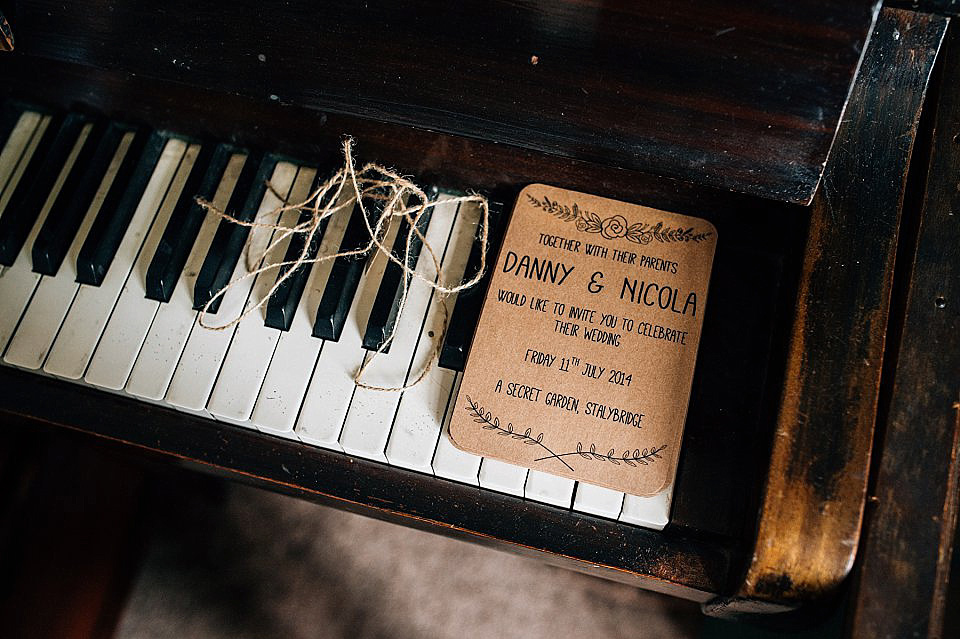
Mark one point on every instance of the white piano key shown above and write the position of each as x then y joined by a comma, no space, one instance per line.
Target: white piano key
203,354
288,375
285,383
549,489
371,413
449,461
133,313
649,512
420,414
84,324
17,151
503,477
596,500
248,357
416,428
18,281
53,295
331,386
171,326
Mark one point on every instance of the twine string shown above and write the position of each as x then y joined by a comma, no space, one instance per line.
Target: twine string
395,197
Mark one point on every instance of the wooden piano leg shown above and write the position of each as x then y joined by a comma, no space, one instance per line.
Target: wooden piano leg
900,585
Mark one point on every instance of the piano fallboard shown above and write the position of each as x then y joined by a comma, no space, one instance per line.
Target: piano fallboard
740,97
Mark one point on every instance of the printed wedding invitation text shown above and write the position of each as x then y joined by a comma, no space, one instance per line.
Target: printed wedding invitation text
583,357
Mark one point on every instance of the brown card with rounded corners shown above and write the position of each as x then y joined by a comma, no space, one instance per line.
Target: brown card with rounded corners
583,357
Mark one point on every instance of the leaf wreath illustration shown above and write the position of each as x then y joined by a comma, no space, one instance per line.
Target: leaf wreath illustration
634,458
488,421
617,226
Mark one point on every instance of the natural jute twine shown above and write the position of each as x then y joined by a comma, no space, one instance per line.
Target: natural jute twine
348,188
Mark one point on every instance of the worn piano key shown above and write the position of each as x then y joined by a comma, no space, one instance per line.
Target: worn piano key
344,279
174,320
449,461
366,428
19,281
205,348
649,512
21,158
248,357
331,387
549,489
466,310
296,354
383,315
88,315
118,208
282,306
42,173
54,294
230,238
10,115
502,477
134,312
597,500
72,204
420,414
181,233
14,148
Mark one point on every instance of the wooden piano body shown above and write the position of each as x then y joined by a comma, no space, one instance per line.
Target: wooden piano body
791,127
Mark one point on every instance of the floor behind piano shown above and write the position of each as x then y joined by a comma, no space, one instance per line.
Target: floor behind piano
225,560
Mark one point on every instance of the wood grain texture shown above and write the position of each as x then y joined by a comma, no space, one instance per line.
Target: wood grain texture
907,545
740,96
942,7
814,492
810,517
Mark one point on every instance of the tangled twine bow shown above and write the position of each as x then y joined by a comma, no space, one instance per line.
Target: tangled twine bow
396,197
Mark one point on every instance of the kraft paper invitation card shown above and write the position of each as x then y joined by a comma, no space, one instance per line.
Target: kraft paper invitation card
583,357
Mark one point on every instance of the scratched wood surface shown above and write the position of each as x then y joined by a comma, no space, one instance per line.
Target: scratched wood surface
814,497
942,7
905,556
741,96
789,367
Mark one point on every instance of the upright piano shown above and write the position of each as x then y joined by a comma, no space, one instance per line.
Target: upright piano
802,130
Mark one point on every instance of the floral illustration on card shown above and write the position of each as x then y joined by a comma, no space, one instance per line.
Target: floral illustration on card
617,226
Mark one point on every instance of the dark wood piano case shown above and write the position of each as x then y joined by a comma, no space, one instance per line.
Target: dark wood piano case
789,125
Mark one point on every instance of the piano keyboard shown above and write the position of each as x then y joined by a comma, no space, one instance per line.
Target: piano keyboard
106,261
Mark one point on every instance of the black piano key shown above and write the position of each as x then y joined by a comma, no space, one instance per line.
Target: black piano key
37,181
74,199
228,242
122,200
383,313
466,310
185,221
284,302
344,278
